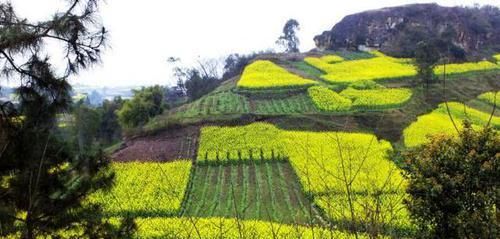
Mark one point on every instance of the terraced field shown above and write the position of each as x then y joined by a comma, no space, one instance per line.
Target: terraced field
215,104
439,122
297,104
146,189
264,191
317,183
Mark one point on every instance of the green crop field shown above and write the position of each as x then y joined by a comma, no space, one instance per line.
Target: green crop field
266,191
215,104
296,104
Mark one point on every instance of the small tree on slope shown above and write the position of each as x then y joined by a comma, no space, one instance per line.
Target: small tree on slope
289,40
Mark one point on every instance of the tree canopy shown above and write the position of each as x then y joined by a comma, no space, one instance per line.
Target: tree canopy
289,40
453,185
43,182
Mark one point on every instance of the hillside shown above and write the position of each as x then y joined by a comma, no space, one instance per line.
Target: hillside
396,30
264,145
359,139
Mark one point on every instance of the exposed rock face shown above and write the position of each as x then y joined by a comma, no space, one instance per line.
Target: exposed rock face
396,30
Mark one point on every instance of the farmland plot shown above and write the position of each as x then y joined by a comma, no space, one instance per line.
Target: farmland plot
146,189
266,191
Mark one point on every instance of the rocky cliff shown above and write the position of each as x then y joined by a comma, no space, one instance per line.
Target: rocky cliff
396,30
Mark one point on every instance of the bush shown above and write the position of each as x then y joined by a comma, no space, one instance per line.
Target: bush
145,104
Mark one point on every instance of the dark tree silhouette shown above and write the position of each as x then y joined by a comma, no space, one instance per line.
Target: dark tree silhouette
426,58
289,39
43,182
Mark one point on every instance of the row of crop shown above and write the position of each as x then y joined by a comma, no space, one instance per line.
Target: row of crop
146,189
263,74
247,191
216,104
439,122
300,103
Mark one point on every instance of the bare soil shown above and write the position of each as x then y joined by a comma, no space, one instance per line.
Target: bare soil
169,145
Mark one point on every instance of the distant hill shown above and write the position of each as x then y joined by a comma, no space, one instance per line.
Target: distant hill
474,31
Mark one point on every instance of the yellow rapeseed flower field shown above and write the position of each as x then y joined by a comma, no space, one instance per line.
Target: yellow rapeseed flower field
492,98
146,189
323,161
328,100
466,67
263,74
379,67
439,122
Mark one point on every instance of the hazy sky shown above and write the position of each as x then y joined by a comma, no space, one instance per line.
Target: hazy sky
143,34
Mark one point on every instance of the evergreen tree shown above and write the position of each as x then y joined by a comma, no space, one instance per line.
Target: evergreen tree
43,182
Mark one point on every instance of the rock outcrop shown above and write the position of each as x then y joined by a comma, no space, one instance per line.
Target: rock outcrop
396,30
